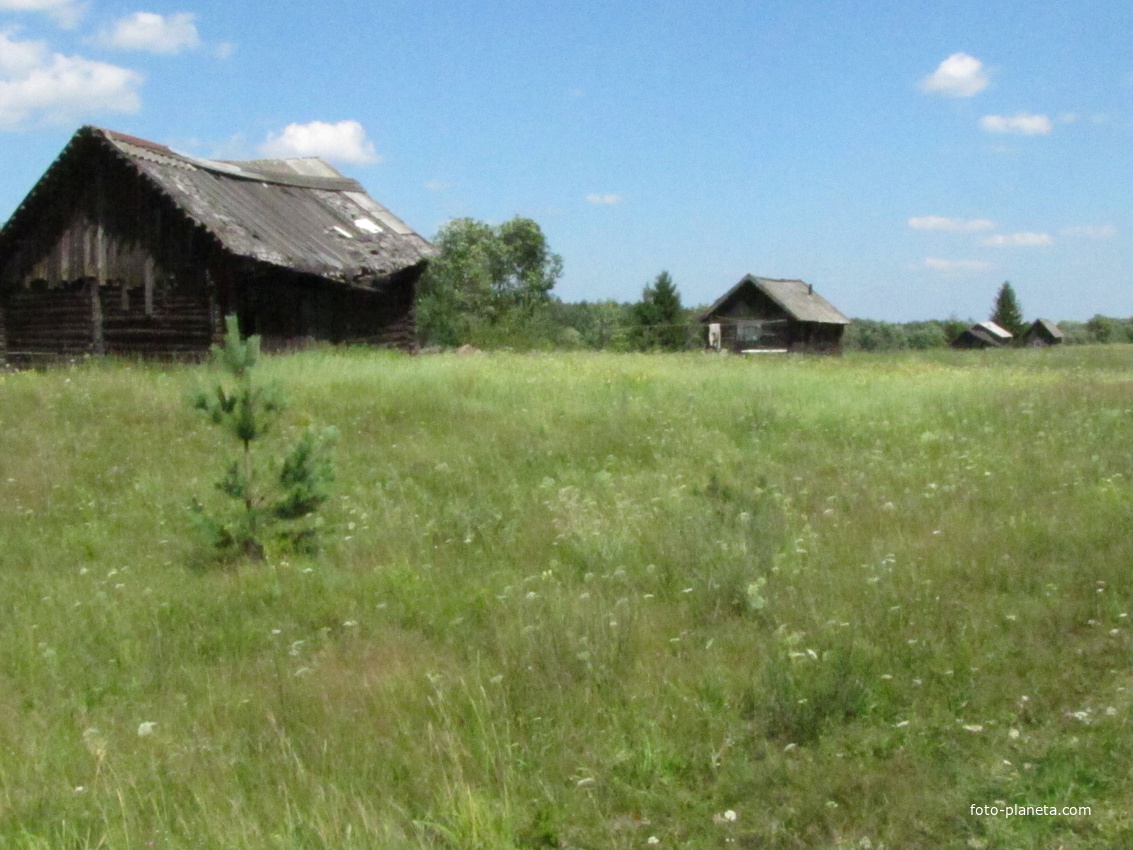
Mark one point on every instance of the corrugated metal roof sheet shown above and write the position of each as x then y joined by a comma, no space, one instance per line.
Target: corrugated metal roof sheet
1051,328
797,298
298,214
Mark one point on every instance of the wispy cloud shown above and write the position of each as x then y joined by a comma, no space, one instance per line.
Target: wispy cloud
952,225
960,75
39,87
1018,240
66,13
438,186
608,198
1023,124
940,265
344,141
1089,231
152,33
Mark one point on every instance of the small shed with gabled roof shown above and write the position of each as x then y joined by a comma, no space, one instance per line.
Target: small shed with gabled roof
982,335
769,314
1041,333
125,245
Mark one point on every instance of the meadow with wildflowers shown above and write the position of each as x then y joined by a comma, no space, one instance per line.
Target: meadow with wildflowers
581,601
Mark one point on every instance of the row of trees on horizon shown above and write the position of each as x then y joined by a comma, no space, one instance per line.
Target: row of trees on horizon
491,287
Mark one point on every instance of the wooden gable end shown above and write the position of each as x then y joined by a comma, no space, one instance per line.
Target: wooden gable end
750,320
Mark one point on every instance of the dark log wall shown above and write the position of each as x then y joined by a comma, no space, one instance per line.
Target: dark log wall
144,309
290,309
383,318
177,324
49,321
816,337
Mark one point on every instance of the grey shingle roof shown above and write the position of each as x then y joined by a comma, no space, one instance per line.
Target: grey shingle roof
797,298
298,214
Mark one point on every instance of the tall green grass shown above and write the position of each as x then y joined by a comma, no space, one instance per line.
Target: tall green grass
581,601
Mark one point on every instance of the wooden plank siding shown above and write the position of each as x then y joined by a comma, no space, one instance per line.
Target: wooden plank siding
107,255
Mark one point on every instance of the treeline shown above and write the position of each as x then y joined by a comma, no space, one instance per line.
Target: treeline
873,335
491,287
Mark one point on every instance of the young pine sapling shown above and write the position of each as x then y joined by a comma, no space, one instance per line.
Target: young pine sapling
274,501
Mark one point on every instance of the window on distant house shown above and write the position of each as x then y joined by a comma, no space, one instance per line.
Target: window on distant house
749,332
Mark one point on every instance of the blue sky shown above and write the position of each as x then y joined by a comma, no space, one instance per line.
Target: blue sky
905,157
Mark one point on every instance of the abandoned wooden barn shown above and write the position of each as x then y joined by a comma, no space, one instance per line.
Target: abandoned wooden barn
127,246
982,335
764,314
1041,333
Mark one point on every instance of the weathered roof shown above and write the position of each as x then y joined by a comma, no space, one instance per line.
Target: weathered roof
978,335
298,214
797,298
1047,325
995,330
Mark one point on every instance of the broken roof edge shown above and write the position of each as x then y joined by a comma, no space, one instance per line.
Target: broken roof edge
277,171
355,279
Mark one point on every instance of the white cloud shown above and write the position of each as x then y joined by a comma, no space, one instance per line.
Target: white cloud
608,198
1018,240
438,186
65,12
1024,123
957,265
345,142
1089,231
40,87
960,75
953,225
152,33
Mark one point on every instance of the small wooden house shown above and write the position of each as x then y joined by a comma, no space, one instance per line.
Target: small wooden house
982,335
762,314
1041,333
127,246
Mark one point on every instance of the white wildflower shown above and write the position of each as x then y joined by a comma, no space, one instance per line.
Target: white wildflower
146,729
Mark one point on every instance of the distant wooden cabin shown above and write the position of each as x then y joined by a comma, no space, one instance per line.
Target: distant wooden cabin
127,246
1041,333
982,335
762,314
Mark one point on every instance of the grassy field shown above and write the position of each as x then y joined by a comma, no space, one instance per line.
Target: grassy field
581,601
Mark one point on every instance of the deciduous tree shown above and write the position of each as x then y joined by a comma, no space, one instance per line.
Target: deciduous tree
493,275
